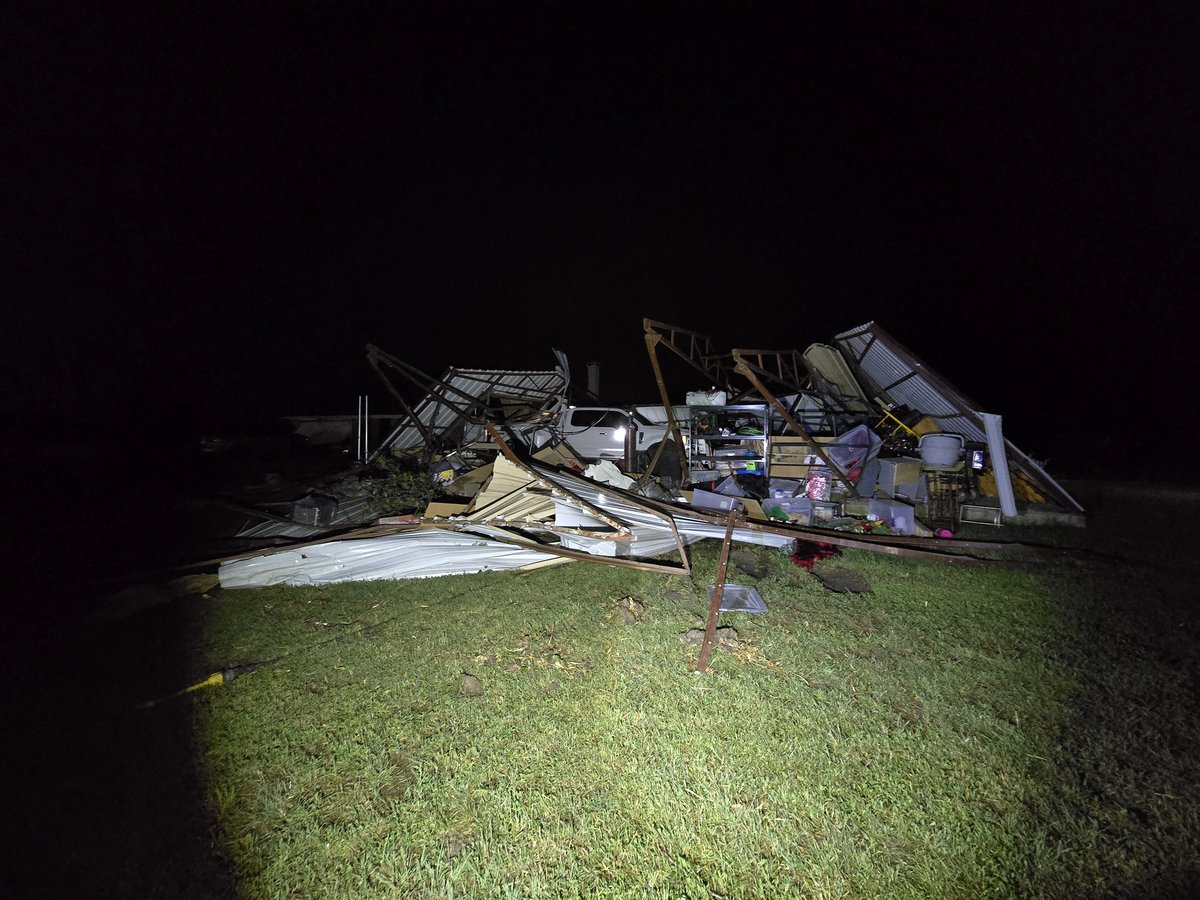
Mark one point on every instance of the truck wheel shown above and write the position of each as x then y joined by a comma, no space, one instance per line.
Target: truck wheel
668,461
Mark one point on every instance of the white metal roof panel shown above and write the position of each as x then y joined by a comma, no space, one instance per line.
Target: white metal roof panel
468,388
427,553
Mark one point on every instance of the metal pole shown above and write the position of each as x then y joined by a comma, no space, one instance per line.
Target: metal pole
710,628
358,454
652,341
743,369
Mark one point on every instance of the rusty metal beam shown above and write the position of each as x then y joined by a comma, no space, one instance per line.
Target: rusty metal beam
893,545
714,606
653,339
374,356
695,349
747,371
788,369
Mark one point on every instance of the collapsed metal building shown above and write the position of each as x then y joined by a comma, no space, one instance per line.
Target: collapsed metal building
855,443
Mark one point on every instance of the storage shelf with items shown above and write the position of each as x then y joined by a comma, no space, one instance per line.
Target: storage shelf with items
730,439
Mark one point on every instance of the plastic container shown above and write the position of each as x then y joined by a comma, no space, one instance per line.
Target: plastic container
900,516
709,500
940,450
784,487
707,398
855,447
798,510
818,484
739,598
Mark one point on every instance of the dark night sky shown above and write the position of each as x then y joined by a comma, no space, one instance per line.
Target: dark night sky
213,208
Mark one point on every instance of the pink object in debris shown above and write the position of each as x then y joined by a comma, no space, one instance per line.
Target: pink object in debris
816,486
945,532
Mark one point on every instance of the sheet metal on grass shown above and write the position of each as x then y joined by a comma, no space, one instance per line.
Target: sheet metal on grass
422,553
459,545
630,531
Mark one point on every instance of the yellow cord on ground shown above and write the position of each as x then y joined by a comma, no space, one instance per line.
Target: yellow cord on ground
214,679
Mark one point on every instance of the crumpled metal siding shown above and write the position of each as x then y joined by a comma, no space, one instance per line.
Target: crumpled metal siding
690,529
902,378
350,511
431,552
900,382
428,553
468,386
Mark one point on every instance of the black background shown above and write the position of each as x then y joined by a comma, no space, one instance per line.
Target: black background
213,208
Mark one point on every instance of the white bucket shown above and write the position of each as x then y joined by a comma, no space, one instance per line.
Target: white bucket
940,450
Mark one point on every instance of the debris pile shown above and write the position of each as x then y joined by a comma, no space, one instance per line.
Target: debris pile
851,444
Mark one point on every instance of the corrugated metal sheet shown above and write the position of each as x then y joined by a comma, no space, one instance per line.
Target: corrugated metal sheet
428,553
897,380
272,528
525,504
350,511
624,506
898,376
465,546
469,388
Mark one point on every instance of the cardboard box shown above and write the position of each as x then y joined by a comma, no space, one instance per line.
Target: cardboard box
795,451
444,510
784,470
899,472
899,469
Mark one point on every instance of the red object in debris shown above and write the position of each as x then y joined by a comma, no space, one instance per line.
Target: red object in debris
816,486
809,552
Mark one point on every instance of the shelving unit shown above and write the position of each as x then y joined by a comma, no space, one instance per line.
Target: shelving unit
736,437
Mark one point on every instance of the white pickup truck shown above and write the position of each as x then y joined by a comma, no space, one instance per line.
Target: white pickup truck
600,432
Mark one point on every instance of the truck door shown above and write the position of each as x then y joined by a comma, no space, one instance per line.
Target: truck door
597,433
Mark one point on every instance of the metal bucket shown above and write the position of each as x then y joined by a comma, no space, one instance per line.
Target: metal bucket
940,450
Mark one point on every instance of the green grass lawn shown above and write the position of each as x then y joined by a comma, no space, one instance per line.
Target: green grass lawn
1015,730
